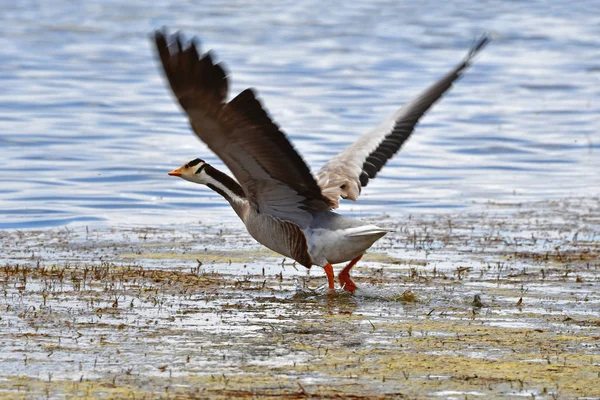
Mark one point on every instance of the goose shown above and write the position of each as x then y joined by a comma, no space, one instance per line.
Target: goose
283,206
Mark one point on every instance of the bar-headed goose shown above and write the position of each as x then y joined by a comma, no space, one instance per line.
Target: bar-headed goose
282,204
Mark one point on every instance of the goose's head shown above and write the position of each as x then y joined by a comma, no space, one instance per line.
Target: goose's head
192,171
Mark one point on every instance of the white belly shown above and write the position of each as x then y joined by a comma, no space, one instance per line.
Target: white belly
342,245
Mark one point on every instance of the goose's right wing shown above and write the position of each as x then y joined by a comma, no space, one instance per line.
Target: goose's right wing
345,174
272,174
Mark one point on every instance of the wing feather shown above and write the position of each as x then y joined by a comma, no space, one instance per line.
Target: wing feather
345,174
273,175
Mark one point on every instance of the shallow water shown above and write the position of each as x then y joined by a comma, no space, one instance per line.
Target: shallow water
88,128
202,311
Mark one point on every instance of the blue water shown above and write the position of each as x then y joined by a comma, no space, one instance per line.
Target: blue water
88,129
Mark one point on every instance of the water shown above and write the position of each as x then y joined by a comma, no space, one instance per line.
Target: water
88,128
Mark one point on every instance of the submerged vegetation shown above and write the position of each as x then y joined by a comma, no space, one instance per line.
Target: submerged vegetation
501,302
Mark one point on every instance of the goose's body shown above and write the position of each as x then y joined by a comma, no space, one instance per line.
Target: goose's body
280,202
315,238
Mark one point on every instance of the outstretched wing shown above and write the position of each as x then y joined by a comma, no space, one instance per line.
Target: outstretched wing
345,174
273,175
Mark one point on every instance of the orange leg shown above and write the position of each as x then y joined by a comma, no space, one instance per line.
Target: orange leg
330,279
344,276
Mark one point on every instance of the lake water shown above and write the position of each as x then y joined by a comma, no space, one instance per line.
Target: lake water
89,130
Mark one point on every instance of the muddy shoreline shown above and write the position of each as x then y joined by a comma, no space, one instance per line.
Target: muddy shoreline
501,303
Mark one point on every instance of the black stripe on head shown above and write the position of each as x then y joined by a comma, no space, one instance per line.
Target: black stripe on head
201,168
194,162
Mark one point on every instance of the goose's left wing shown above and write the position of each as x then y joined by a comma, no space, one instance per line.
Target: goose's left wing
272,174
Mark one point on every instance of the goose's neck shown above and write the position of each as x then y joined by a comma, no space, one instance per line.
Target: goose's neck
228,188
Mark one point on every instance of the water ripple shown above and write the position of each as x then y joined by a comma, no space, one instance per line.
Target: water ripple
88,127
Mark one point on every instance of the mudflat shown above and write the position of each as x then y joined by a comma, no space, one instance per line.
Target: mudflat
495,303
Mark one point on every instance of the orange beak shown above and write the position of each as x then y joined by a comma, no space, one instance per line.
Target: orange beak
176,172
